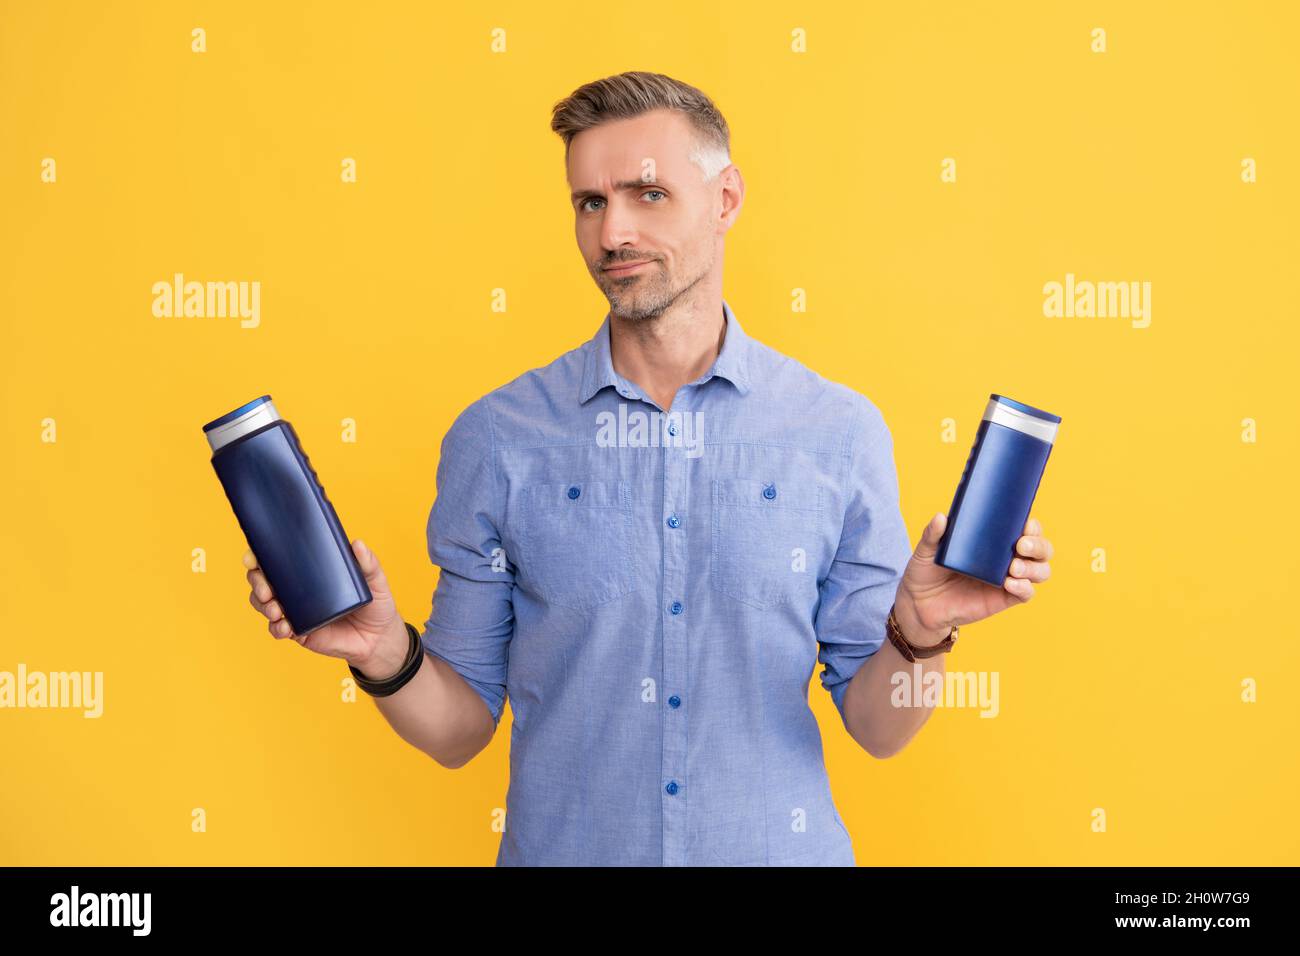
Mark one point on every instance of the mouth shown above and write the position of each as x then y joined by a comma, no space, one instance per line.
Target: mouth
624,268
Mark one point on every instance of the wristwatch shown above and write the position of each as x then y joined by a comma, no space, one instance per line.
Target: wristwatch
911,651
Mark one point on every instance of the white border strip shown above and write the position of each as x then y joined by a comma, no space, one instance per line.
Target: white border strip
251,420
1031,425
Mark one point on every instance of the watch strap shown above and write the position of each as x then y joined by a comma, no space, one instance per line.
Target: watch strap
409,668
911,651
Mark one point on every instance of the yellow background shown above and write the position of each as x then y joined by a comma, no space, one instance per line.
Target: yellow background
1119,690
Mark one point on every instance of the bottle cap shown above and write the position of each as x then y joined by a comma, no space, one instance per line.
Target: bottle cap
244,419
1031,421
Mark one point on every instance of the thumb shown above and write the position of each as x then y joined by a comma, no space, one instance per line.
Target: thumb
928,546
369,565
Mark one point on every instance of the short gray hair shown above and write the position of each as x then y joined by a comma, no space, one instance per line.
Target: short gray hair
633,93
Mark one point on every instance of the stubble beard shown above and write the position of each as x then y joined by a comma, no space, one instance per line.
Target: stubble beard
646,295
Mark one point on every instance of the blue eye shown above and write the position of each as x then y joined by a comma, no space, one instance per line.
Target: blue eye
582,206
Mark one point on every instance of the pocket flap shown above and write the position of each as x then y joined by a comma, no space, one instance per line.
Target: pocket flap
752,492
589,494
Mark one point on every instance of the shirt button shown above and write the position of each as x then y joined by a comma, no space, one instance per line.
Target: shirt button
677,607
769,492
674,701
672,787
672,521
672,428
574,491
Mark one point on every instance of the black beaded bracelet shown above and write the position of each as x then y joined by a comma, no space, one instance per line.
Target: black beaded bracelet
383,688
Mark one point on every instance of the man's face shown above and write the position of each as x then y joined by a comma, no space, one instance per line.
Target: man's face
638,198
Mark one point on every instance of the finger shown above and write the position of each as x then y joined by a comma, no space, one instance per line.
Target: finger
1030,570
271,609
1033,527
370,566
261,587
1032,546
250,559
259,606
931,535
1019,587
279,629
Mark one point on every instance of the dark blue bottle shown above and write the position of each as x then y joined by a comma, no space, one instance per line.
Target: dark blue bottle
286,518
997,489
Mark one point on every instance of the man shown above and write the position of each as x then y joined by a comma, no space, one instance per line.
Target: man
644,543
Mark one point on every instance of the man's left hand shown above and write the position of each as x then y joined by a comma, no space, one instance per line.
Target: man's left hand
932,599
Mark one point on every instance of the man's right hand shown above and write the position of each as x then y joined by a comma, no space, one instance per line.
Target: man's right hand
373,639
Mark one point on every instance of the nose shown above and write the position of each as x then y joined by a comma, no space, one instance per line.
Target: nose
618,225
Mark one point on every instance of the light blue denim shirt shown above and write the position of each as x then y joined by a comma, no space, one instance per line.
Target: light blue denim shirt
652,591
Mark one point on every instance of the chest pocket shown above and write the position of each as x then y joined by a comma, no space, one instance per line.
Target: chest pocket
576,538
766,539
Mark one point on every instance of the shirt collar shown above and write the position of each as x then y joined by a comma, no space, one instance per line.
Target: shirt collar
732,362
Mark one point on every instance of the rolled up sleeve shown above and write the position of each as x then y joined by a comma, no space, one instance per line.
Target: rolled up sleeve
873,552
472,620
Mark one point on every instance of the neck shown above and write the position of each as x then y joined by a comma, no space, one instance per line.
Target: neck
663,354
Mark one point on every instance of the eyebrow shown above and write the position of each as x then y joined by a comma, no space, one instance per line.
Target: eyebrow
620,186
